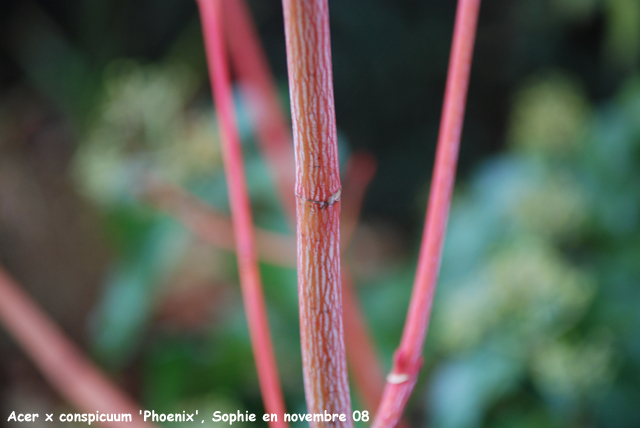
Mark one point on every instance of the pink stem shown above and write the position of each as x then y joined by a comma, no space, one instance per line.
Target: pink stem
76,379
408,356
211,15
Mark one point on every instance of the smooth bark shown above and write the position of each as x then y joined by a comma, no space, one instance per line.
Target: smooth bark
408,356
252,295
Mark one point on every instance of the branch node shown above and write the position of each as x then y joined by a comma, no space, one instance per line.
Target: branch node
397,378
324,204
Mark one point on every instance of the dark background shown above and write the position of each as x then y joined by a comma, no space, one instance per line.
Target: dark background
390,60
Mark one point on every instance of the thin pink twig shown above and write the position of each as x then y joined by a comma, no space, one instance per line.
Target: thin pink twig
408,356
254,304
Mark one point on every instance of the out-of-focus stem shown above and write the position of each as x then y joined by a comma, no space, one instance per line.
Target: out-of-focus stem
214,227
408,356
318,191
76,378
254,304
359,172
364,364
259,88
360,349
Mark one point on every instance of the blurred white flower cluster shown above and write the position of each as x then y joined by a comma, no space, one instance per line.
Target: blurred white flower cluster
147,124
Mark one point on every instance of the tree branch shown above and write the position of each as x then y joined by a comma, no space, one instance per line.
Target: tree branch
318,189
408,357
253,297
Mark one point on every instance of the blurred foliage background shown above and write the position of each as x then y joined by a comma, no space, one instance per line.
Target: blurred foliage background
537,315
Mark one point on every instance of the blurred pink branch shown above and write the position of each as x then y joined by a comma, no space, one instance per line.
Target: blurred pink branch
212,226
360,170
76,378
259,88
361,351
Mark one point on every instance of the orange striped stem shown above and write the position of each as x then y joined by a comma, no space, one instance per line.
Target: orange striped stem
408,356
318,191
253,297
274,133
66,368
216,229
274,136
